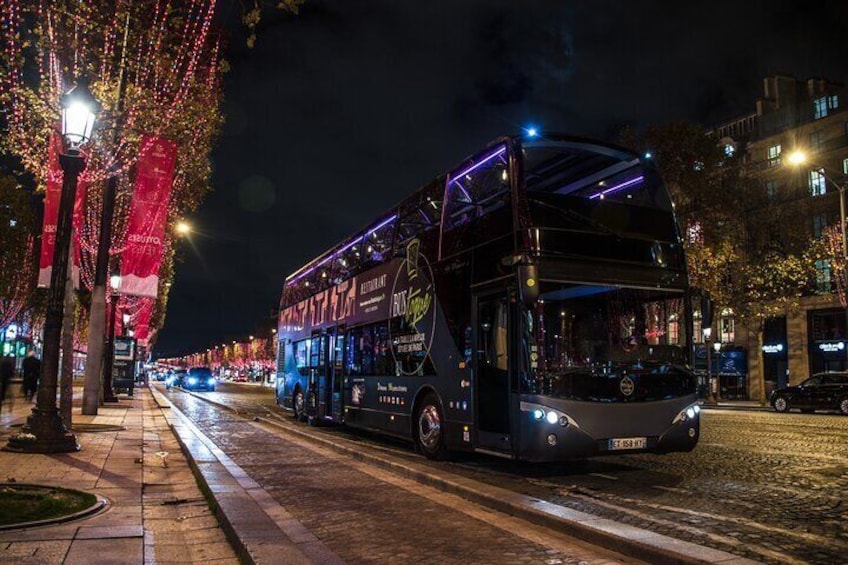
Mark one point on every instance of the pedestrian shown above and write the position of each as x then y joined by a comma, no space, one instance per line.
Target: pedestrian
7,371
32,374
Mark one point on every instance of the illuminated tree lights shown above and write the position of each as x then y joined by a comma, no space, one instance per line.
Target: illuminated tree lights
168,56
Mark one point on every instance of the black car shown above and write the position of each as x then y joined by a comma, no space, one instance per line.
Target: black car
199,378
822,391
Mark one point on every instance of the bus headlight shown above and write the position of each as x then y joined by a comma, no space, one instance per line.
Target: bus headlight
687,414
538,414
552,417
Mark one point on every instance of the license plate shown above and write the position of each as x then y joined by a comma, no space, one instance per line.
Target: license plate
628,443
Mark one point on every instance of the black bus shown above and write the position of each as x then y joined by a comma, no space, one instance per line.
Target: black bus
531,303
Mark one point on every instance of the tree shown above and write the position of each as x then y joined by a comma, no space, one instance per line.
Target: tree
749,251
17,265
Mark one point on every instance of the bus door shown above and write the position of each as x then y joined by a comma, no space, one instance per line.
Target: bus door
335,375
319,369
492,367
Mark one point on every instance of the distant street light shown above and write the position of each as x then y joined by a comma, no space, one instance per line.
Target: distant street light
798,158
183,228
44,431
109,344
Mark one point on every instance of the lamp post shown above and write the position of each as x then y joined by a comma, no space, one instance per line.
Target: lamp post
710,397
717,348
44,431
109,343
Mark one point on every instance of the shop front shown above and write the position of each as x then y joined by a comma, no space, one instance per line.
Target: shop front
828,347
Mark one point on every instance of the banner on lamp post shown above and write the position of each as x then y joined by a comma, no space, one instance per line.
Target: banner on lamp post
142,255
52,198
52,195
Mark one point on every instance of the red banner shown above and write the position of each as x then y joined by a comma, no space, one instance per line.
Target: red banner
52,197
142,321
146,231
78,221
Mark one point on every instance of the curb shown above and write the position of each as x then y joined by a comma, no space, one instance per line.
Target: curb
257,528
634,542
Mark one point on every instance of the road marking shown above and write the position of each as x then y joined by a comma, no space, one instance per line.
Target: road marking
610,477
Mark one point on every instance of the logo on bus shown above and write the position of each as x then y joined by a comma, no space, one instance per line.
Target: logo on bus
626,386
413,300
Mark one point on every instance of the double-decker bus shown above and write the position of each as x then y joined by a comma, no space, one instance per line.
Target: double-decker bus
531,303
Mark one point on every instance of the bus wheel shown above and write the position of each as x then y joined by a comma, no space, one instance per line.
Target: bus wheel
312,409
843,406
299,406
429,428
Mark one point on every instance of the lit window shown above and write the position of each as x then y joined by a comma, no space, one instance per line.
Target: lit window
845,166
819,223
771,189
823,276
818,186
774,155
728,326
674,330
697,334
822,105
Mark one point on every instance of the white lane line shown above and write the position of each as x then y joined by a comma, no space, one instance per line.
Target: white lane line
610,477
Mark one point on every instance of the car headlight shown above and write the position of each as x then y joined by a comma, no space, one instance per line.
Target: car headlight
192,381
211,381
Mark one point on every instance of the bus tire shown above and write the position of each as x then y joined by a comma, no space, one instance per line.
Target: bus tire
299,405
843,405
312,409
429,427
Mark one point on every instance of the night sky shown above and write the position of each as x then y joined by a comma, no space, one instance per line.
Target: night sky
340,112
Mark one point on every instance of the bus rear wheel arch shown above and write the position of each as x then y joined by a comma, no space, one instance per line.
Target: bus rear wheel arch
429,426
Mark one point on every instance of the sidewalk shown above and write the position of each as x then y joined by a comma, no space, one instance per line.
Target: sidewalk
156,512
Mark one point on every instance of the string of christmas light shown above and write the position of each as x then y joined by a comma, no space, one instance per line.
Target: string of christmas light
172,90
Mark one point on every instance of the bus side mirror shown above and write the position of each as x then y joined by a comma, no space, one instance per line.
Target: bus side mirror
528,284
707,311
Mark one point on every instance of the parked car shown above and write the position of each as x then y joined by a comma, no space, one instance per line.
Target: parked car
822,391
199,378
175,378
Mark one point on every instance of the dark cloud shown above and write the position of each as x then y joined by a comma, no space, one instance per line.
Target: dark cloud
350,106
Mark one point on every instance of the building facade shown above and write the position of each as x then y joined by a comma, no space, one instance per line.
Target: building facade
809,116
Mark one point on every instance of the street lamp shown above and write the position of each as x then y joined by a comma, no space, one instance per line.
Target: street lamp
109,343
183,228
708,331
44,431
717,349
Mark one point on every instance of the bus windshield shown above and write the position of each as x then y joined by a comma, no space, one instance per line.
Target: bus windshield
581,340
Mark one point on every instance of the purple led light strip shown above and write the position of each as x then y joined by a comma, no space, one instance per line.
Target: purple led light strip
308,269
625,184
474,166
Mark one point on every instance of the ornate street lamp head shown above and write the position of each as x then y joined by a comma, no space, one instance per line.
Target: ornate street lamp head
79,112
